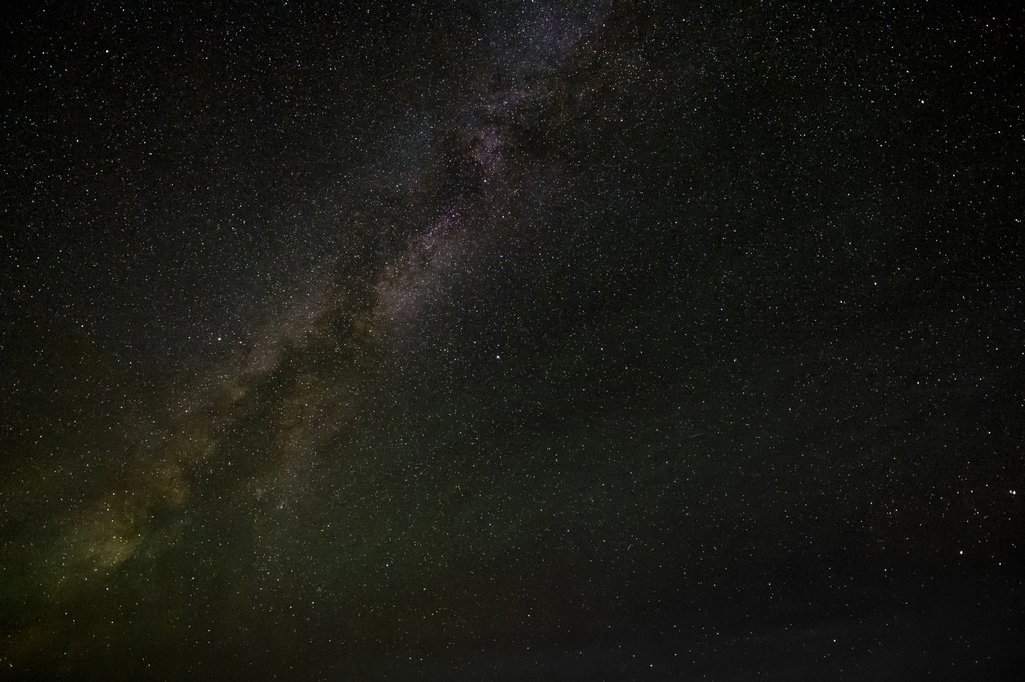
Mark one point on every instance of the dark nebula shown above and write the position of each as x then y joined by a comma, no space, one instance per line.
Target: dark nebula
512,340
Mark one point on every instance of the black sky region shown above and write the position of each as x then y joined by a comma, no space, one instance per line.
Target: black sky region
511,340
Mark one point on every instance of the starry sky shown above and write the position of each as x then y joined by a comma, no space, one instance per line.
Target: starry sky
511,340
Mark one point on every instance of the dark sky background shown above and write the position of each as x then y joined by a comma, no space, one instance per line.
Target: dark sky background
511,340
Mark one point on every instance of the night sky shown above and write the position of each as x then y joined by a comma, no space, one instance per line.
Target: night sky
512,340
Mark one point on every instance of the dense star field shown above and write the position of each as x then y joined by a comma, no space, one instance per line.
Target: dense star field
512,340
